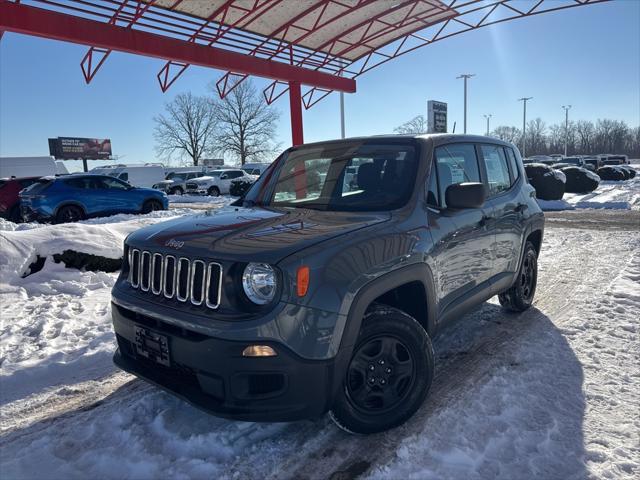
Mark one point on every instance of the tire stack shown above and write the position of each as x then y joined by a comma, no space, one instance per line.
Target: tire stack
580,180
548,182
613,173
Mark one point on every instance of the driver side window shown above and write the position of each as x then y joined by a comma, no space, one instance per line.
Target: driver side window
455,163
113,184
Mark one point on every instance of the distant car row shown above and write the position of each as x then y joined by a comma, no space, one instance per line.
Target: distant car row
107,190
590,162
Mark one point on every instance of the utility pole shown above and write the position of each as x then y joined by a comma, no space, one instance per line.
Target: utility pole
524,124
566,127
488,117
465,76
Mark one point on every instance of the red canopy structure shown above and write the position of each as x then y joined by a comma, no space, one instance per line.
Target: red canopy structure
323,45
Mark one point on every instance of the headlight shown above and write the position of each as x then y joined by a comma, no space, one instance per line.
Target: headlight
259,283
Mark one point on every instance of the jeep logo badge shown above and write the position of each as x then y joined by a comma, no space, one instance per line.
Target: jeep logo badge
173,243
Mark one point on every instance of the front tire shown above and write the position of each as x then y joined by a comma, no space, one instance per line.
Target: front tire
214,191
177,191
389,374
69,213
151,206
520,296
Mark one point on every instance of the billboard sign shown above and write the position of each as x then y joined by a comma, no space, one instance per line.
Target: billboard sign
436,117
72,148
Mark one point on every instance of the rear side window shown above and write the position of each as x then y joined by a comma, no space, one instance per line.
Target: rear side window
497,169
124,176
78,182
455,163
513,164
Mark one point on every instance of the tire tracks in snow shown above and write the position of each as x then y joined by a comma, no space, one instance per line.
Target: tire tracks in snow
342,456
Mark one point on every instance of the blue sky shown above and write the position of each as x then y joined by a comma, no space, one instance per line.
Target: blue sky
588,57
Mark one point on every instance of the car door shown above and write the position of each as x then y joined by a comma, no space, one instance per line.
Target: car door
116,196
505,204
462,238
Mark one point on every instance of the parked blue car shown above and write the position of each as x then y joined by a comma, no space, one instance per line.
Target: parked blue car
76,197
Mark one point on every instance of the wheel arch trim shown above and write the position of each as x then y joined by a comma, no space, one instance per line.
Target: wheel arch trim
420,273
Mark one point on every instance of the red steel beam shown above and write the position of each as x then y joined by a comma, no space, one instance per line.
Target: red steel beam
70,28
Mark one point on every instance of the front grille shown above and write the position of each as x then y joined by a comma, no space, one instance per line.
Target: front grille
181,278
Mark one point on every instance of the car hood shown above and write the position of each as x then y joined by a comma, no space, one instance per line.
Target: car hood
255,234
165,182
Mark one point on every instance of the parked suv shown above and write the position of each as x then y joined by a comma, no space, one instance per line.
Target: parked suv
312,296
75,197
175,183
217,182
9,199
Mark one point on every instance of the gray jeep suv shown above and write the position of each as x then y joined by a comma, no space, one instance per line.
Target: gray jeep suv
314,293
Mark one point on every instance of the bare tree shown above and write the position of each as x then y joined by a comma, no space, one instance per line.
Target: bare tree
187,128
246,125
507,134
586,133
416,125
536,136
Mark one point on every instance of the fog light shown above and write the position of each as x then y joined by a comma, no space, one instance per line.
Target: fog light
259,351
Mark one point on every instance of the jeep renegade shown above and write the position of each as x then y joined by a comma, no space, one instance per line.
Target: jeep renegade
321,290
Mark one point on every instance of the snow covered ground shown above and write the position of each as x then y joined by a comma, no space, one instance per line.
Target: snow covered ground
551,393
623,195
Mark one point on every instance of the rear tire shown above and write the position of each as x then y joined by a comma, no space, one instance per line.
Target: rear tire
69,213
151,206
389,374
520,296
176,191
214,191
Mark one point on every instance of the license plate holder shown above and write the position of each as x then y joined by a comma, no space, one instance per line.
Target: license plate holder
152,345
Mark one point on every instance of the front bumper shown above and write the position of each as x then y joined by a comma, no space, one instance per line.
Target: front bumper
199,191
212,374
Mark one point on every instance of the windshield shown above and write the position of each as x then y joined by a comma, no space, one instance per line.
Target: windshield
572,161
176,176
339,177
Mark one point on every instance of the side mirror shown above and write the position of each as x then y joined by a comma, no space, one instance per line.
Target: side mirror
465,195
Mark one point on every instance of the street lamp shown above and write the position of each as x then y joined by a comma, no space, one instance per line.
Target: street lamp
488,117
524,123
566,127
466,76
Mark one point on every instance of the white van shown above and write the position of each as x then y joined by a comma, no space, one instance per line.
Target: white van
27,167
136,175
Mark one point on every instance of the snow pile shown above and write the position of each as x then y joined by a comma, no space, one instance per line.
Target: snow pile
623,195
56,329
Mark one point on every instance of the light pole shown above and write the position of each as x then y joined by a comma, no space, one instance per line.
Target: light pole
566,127
524,124
466,76
488,117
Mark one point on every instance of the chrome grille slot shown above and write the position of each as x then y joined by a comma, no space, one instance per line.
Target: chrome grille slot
134,268
182,279
185,280
213,285
156,273
197,282
169,276
145,274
